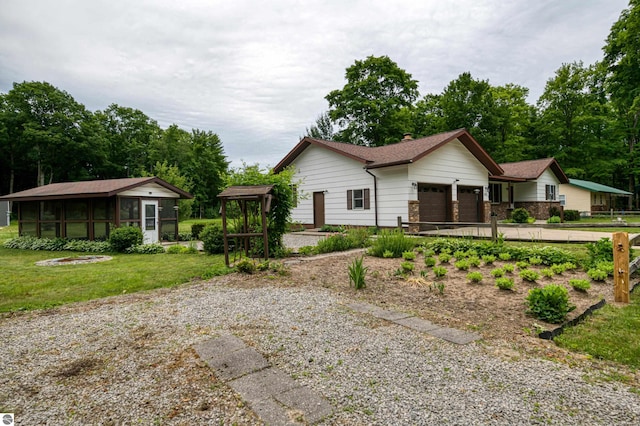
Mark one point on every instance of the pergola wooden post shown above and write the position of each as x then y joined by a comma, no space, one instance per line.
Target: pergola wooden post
244,194
621,267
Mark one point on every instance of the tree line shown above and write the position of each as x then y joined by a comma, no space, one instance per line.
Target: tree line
47,136
587,117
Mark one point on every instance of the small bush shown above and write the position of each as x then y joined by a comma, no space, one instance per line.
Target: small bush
439,271
535,260
176,249
488,259
474,261
520,215
550,303
122,238
547,273
307,250
597,274
498,272
357,273
212,239
558,269
196,229
529,275
580,285
429,261
504,283
444,258
554,211
508,267
332,243
394,241
145,249
460,254
407,266
504,256
569,266
246,266
571,215
462,265
554,219
388,254
331,228
522,264
474,277
408,255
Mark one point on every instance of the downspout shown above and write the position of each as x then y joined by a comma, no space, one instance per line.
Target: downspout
375,193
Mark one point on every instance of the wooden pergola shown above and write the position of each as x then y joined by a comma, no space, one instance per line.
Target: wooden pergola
245,194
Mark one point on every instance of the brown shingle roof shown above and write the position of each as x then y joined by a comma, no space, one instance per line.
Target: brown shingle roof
533,169
245,191
89,189
404,152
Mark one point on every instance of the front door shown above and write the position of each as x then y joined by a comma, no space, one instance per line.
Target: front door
318,209
150,221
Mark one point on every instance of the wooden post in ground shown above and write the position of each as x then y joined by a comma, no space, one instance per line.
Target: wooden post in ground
621,267
494,228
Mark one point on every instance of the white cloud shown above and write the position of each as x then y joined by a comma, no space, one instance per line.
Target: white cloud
257,72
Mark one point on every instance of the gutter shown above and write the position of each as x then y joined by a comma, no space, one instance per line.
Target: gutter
375,193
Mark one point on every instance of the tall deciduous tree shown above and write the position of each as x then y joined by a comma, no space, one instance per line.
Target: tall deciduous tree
622,57
373,107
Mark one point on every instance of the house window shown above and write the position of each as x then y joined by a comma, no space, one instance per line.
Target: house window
563,200
495,193
358,199
550,192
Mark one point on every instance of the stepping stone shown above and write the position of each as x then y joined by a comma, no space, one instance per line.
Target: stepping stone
313,406
263,384
229,359
455,336
418,324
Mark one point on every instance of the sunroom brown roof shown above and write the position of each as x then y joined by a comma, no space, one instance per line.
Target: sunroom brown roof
533,169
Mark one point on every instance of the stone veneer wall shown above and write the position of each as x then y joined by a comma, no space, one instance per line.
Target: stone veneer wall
537,209
414,216
487,211
455,211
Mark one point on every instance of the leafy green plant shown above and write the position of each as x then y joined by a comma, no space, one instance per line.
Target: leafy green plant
547,273
550,303
429,261
462,265
331,228
444,257
508,268
460,254
124,237
357,273
554,219
504,256
246,266
333,243
439,271
424,273
176,249
558,269
497,272
570,266
409,255
473,261
196,229
522,264
580,285
535,260
394,241
504,283
520,215
307,250
212,239
599,251
529,275
57,244
597,274
475,277
488,259
388,254
146,249
407,266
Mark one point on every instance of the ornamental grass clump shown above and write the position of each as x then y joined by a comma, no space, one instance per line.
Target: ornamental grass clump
394,241
550,303
357,273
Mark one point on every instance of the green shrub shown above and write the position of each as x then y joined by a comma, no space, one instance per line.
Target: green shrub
570,266
462,264
473,261
427,252
408,255
307,250
407,266
145,249
554,211
212,239
474,277
388,254
605,266
332,243
535,260
246,266
182,236
391,240
558,269
122,238
196,229
429,261
547,273
550,303
508,267
498,272
600,251
520,215
331,228
529,275
580,285
358,237
439,271
554,219
504,256
504,283
571,215
460,254
57,244
488,259
357,273
444,258
597,274
522,264
176,249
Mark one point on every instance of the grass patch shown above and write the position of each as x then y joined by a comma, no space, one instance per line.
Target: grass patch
25,286
185,225
611,333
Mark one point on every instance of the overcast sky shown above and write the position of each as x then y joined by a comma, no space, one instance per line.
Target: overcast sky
256,72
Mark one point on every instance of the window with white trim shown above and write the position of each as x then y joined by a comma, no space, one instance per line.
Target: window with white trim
358,199
550,192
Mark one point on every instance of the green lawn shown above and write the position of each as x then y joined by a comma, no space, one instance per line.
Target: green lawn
185,225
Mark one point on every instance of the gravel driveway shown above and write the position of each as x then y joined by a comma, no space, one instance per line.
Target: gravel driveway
129,360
